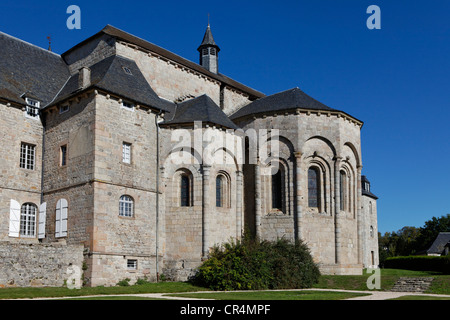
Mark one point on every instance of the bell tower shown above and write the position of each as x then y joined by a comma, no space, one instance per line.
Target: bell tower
209,52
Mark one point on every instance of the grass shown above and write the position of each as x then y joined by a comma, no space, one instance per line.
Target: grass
54,292
441,285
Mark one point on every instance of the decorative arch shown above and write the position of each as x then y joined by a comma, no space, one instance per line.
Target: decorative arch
183,183
323,183
223,189
347,187
328,142
355,153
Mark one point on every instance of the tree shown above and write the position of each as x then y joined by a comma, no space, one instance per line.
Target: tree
430,231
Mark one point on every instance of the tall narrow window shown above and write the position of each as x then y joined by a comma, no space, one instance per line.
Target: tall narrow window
277,200
219,191
63,155
342,190
313,188
126,206
126,152
27,156
185,191
28,220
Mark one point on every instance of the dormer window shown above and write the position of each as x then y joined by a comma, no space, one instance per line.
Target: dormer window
127,71
127,105
32,108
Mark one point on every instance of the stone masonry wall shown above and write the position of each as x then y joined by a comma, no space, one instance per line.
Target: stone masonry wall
37,265
22,185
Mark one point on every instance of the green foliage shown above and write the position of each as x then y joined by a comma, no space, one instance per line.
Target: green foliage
411,240
124,283
257,265
423,263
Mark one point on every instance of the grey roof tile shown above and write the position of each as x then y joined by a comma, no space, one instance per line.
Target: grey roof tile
203,109
109,75
30,70
286,100
439,243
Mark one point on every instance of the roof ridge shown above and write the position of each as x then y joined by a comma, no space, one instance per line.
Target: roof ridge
30,44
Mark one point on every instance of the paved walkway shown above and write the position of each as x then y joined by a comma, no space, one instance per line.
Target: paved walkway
374,295
383,295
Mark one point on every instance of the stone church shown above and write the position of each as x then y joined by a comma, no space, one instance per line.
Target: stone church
124,160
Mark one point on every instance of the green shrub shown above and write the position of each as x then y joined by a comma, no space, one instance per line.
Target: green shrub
257,265
421,263
124,283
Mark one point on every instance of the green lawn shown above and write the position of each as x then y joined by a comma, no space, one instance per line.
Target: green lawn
441,285
54,292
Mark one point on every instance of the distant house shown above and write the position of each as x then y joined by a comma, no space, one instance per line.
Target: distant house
440,246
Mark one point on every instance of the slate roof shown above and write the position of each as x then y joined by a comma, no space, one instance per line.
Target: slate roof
203,109
208,40
439,244
30,70
364,191
282,101
127,37
109,75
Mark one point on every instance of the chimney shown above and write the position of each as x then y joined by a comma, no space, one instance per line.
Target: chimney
84,78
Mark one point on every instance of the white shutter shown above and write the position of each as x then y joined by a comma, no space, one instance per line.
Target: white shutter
64,217
61,218
14,219
42,216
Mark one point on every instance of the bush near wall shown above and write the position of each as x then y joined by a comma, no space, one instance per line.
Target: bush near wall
420,263
257,265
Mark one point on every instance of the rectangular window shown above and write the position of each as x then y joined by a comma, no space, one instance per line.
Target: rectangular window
32,109
126,152
28,220
131,264
63,155
27,156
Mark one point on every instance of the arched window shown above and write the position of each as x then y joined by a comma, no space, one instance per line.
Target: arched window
126,206
343,190
220,190
277,193
313,188
185,191
28,220
371,232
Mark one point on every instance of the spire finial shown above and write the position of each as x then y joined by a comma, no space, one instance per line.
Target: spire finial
208,19
49,43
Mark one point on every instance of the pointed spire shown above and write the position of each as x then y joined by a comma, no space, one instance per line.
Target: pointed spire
209,51
49,43
208,38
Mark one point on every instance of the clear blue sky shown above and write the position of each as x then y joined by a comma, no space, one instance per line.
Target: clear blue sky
395,79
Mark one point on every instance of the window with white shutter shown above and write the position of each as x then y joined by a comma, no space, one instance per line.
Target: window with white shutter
42,217
14,219
61,218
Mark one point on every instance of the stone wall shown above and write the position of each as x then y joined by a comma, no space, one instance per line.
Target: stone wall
19,184
37,265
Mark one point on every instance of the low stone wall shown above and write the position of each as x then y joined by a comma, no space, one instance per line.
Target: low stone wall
38,265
